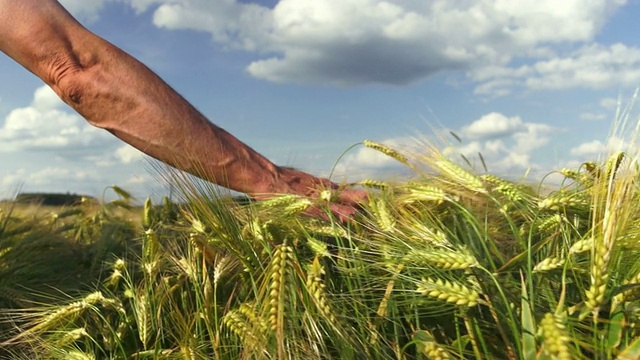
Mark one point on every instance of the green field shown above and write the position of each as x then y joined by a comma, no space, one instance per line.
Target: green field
449,264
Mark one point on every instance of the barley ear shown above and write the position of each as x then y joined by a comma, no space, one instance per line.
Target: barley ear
444,290
387,151
554,337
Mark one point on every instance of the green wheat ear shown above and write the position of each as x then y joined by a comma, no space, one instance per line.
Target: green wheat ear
387,151
444,290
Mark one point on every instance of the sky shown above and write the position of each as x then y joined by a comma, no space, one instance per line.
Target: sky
532,85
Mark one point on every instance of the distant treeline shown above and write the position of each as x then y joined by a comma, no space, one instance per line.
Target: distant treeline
51,199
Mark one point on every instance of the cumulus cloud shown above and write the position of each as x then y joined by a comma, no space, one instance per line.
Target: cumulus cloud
127,154
47,176
507,144
353,42
610,103
493,125
591,66
590,148
46,125
593,116
362,163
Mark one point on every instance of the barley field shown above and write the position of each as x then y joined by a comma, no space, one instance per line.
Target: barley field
453,263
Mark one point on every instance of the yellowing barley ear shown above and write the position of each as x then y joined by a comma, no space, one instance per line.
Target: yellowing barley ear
613,212
316,286
142,313
281,200
421,192
72,336
460,176
562,201
245,323
386,150
629,294
581,246
549,264
428,346
552,331
434,351
297,207
125,195
66,314
614,162
447,291
79,355
386,222
318,247
147,215
551,223
374,184
511,191
441,258
570,173
279,280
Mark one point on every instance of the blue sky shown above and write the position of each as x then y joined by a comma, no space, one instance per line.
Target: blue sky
532,85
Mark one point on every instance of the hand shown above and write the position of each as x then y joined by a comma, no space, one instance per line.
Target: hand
344,203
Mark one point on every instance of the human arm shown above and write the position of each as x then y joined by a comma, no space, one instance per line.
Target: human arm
114,91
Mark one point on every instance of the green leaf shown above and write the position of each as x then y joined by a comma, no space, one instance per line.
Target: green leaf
615,327
631,352
528,324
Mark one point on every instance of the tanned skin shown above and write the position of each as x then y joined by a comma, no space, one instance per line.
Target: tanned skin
114,91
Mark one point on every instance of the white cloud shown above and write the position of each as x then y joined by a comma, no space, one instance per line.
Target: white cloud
507,144
594,149
493,125
45,125
47,176
593,116
352,42
592,66
610,103
590,148
127,154
363,162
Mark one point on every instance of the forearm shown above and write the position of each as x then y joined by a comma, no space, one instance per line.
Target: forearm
121,95
114,91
